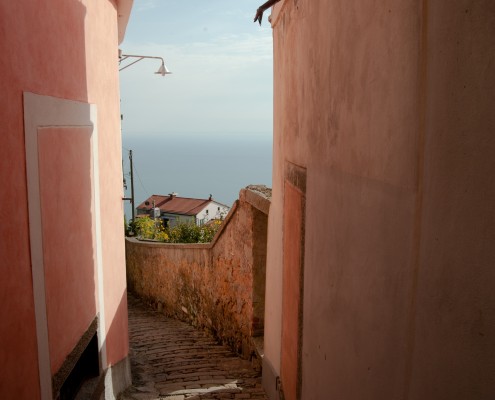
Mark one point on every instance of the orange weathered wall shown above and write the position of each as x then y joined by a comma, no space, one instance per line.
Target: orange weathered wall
219,286
389,107
65,49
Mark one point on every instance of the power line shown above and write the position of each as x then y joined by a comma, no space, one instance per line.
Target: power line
141,182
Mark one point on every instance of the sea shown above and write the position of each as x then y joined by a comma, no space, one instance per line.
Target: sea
196,164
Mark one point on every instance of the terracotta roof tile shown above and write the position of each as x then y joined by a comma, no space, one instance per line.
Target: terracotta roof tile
175,205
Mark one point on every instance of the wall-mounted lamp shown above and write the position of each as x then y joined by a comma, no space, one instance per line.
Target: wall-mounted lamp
163,70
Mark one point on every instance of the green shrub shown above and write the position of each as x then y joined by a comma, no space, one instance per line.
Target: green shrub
185,232
191,233
147,228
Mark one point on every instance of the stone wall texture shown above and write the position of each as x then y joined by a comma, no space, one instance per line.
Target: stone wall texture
219,286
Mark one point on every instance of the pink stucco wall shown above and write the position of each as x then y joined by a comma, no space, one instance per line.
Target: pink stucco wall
68,237
103,81
65,49
453,350
291,282
389,107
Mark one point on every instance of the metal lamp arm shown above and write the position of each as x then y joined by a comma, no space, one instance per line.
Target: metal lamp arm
139,58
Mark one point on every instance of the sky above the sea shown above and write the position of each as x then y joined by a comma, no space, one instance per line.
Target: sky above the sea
221,63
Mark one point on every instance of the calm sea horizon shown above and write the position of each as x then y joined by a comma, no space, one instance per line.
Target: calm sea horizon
196,165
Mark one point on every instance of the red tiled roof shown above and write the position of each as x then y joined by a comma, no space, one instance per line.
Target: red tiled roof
174,204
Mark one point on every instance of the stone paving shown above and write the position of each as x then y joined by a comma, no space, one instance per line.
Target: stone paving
171,360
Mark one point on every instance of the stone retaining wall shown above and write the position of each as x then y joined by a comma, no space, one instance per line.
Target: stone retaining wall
219,286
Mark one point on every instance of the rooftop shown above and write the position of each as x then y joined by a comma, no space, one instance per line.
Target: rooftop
175,205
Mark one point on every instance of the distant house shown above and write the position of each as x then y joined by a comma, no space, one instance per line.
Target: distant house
172,209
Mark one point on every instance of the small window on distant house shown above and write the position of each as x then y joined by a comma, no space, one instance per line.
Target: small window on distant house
206,211
218,208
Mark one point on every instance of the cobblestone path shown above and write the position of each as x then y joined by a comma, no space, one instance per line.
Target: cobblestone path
172,360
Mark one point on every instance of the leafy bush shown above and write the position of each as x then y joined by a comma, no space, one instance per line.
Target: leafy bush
185,232
191,233
147,228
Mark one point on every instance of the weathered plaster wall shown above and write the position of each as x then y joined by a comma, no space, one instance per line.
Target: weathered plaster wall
30,33
68,245
453,349
103,90
218,286
389,107
65,49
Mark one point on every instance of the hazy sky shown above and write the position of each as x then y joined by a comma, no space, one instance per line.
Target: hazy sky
221,63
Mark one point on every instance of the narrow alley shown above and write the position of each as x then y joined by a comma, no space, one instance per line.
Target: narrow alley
172,360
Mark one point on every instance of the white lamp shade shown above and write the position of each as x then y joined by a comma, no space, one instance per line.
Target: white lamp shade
163,70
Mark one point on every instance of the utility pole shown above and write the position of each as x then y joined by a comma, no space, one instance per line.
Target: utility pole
131,199
132,186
